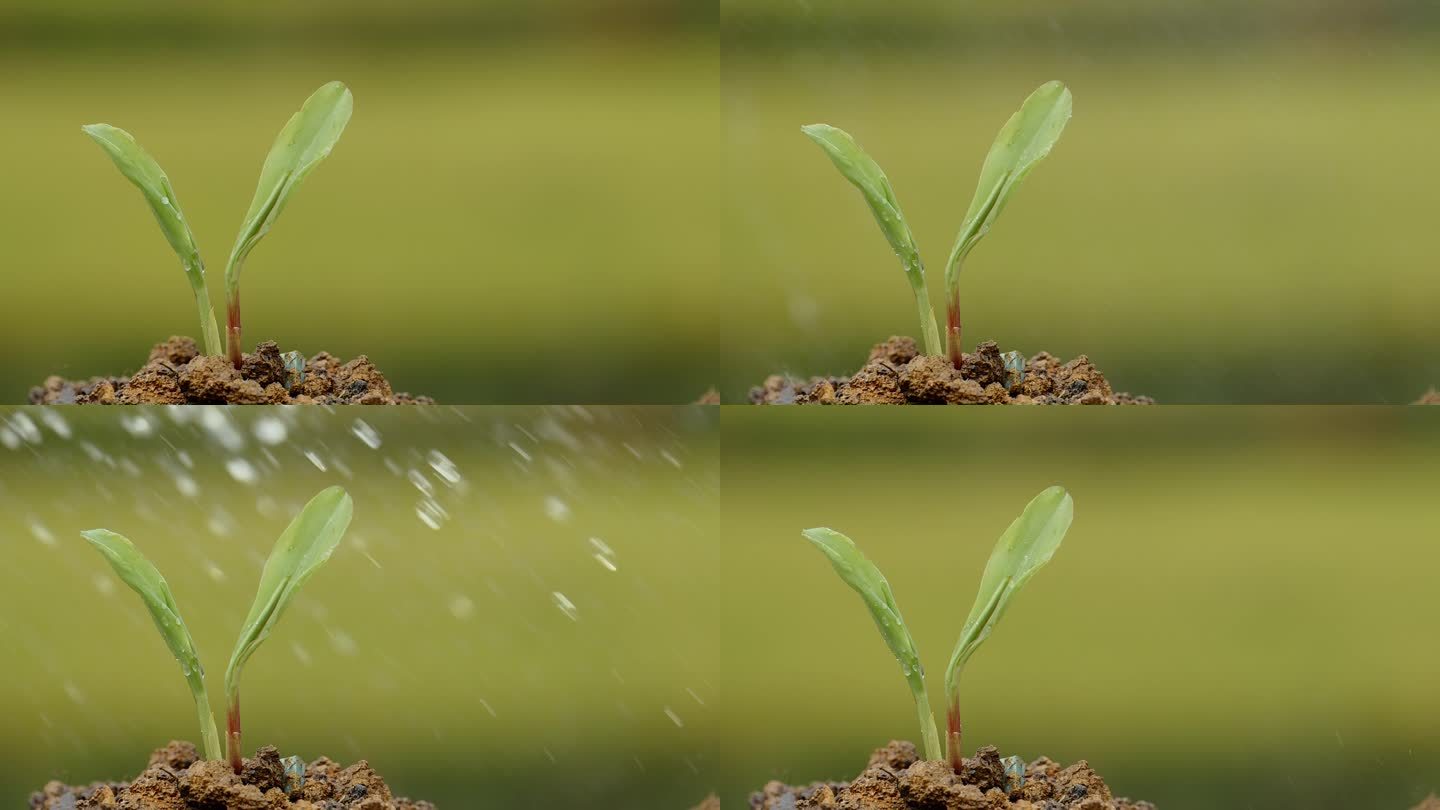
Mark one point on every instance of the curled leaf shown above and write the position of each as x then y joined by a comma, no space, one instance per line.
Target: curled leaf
306,139
866,580
866,175
141,169
1024,141
145,580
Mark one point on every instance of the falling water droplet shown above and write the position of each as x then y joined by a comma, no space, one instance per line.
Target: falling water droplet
421,482
25,428
55,422
242,470
431,513
566,606
556,509
186,485
269,430
366,434
138,425
44,535
674,718
443,467
315,459
461,607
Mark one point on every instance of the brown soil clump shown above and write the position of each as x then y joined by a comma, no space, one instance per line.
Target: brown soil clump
711,802
897,374
1431,802
176,779
896,778
1431,397
177,374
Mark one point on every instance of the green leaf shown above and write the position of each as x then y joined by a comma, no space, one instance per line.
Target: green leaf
142,170
143,578
1025,139
304,546
1022,550
865,579
306,140
865,174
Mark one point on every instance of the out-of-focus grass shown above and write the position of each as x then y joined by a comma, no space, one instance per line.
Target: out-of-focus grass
1219,224
1237,616
442,656
503,222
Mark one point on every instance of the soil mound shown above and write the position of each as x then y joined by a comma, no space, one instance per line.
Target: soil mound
176,779
1431,397
177,374
897,374
896,778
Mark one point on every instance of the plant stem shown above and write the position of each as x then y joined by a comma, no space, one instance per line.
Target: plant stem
929,330
209,331
928,733
952,333
232,734
232,332
209,737
953,751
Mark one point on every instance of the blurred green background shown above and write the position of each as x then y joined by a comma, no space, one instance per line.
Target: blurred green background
522,209
1242,614
436,644
1239,211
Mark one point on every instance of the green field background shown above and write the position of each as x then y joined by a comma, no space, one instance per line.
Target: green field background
522,209
1242,614
1237,212
440,655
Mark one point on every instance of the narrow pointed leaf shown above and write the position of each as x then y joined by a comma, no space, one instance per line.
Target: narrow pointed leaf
304,546
145,580
865,174
141,169
865,579
1022,550
305,140
1025,140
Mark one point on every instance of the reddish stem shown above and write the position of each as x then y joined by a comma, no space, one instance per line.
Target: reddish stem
952,738
952,334
232,736
232,331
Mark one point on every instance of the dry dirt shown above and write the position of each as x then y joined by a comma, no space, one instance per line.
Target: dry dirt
177,374
896,373
176,779
896,778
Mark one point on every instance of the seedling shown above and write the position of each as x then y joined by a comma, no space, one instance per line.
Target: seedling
1024,140
1027,545
304,546
306,140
